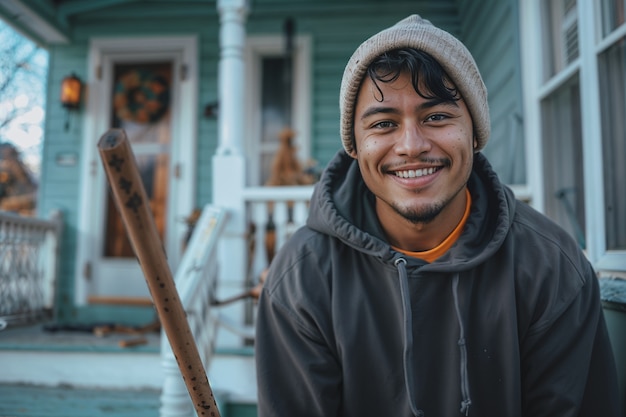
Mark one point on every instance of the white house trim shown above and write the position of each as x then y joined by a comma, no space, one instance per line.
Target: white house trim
531,78
21,13
591,128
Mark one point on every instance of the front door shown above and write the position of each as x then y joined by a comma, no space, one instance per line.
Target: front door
139,91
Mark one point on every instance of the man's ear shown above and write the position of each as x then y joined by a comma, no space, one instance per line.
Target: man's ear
353,153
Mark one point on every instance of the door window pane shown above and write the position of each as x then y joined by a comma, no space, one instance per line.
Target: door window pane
612,15
275,108
141,106
560,29
612,70
563,162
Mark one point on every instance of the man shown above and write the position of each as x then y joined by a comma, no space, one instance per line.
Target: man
420,286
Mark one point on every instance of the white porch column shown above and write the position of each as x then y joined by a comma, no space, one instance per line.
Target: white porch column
229,162
231,74
228,178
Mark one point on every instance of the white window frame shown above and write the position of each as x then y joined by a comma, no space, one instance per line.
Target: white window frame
257,48
535,90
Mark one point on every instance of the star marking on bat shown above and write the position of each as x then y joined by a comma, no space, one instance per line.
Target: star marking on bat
134,202
125,185
116,162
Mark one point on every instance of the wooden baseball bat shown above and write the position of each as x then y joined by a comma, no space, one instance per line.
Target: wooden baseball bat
132,203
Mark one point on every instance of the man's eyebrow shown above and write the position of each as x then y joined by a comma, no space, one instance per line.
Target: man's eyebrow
436,101
378,110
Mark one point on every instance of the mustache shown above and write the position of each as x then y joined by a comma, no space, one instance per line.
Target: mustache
393,166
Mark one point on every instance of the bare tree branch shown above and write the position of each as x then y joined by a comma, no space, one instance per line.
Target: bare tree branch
23,67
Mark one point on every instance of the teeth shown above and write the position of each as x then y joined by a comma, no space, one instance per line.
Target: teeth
415,173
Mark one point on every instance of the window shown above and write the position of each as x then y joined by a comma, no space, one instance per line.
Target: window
270,106
563,188
560,25
612,15
275,109
612,71
563,159
575,101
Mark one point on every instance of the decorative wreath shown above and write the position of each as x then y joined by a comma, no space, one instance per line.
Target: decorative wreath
141,96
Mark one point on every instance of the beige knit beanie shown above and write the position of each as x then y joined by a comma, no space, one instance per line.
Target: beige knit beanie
452,55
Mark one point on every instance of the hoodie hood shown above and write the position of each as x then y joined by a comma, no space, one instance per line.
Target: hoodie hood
343,207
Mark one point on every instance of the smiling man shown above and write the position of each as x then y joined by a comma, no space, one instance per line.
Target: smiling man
420,286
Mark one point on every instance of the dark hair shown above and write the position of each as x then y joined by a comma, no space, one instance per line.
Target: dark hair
427,76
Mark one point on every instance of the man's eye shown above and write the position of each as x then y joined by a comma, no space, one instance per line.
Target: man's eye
436,118
384,125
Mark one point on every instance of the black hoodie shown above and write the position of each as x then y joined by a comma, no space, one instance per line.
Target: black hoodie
507,323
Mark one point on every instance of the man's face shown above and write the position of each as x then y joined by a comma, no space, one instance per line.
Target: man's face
415,154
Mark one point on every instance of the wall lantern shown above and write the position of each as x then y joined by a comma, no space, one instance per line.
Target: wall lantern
71,87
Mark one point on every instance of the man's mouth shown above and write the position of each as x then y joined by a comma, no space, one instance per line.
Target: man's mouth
415,173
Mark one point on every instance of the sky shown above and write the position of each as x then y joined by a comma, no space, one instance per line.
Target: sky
26,131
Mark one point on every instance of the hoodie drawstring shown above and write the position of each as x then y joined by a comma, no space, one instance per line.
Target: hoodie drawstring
409,384
466,401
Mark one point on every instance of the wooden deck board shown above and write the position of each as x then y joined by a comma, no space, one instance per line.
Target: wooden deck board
65,401
39,337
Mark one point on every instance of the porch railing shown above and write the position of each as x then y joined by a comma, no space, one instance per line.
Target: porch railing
28,267
273,213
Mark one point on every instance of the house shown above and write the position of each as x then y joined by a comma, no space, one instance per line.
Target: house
217,81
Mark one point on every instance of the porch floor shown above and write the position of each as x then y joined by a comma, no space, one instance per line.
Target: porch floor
50,337
66,401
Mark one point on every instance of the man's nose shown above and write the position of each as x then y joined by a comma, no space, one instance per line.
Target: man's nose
412,141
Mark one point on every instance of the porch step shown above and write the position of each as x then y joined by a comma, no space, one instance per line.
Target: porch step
72,366
33,355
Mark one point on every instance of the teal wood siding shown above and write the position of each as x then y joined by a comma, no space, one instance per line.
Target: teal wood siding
209,50
59,186
490,30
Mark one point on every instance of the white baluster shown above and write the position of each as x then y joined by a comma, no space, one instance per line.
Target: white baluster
175,399
281,215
